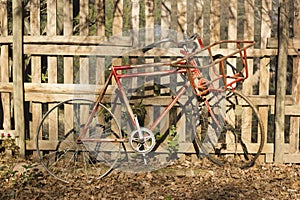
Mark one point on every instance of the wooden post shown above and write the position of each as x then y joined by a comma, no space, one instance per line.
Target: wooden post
281,81
18,75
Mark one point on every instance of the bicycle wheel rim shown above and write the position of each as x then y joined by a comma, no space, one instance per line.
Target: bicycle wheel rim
77,156
246,146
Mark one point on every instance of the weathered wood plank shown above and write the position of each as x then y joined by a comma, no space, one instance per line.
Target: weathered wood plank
198,18
249,35
281,82
182,16
293,43
4,78
18,75
5,68
51,17
166,14
292,110
47,88
214,20
74,40
100,26
68,31
294,121
190,16
35,65
269,99
264,76
3,18
35,18
84,31
117,18
291,158
52,63
68,61
84,15
72,50
232,31
149,22
43,145
55,88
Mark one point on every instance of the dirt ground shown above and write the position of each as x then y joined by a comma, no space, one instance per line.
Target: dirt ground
183,180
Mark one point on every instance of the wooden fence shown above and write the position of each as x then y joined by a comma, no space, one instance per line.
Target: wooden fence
60,36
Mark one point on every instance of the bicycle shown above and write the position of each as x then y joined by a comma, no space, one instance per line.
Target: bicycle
91,142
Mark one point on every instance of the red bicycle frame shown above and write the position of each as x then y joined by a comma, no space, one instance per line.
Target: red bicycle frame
185,66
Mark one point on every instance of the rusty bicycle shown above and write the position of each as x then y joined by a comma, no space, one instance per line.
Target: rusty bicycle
96,136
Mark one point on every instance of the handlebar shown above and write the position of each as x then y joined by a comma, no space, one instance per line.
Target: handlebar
179,44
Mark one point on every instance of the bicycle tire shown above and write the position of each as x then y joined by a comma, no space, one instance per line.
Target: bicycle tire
236,145
66,159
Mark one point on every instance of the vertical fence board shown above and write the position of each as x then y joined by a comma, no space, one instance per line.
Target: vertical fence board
294,120
214,19
281,71
206,22
84,68
198,18
149,21
135,14
117,25
4,67
52,67
68,62
84,31
190,10
68,31
174,12
35,64
182,16
166,14
232,29
249,35
295,123
100,26
3,18
118,19
263,70
149,38
5,97
51,30
185,26
18,74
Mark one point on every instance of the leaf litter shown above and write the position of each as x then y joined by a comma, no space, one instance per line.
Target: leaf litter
184,179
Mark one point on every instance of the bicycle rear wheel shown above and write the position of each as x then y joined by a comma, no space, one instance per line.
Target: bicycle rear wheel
64,157
239,141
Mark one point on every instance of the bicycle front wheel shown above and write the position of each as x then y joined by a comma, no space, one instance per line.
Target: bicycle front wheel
240,139
63,156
